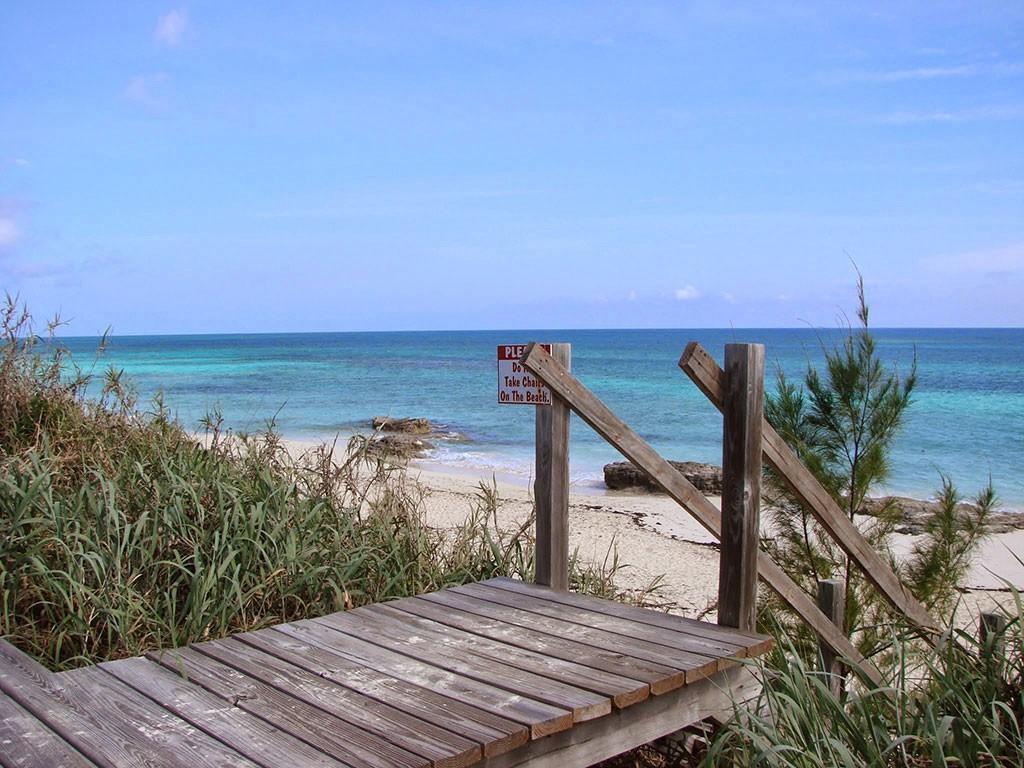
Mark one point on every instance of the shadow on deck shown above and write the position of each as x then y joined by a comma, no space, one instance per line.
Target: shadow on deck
500,673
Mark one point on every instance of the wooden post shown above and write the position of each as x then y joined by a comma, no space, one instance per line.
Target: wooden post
832,601
743,411
551,486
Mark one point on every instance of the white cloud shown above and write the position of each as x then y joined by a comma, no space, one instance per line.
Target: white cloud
145,90
632,295
729,297
9,232
687,294
1004,69
21,161
170,28
999,112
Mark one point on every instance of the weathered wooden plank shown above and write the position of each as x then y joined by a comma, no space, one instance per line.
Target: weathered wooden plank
755,644
495,734
719,650
26,742
670,663
551,486
541,718
709,378
623,691
584,705
588,407
418,737
305,721
108,723
743,411
725,636
590,743
245,733
458,611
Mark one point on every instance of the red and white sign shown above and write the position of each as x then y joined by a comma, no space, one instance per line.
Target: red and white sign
516,385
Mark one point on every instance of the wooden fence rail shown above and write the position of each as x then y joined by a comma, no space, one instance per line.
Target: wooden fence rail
711,380
600,418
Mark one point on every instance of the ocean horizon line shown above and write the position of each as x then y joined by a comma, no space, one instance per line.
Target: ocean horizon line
709,328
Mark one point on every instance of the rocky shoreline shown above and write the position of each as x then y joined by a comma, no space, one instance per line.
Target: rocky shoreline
407,438
707,478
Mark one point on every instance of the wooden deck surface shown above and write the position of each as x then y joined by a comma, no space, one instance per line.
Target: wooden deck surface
495,673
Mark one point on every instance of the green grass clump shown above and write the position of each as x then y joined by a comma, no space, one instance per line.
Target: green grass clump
120,532
960,704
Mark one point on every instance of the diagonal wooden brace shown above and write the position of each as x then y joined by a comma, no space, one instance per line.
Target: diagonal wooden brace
595,413
710,379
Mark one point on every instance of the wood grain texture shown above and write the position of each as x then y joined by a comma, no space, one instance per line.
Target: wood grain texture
595,413
245,733
755,643
109,723
297,716
493,621
540,717
698,656
26,742
372,717
551,486
743,411
493,733
583,704
710,379
623,691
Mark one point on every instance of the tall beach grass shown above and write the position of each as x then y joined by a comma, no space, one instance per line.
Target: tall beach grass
122,532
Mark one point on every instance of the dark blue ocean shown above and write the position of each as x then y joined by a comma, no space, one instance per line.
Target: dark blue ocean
967,419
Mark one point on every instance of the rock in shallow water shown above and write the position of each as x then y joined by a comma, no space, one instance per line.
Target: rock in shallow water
707,478
414,426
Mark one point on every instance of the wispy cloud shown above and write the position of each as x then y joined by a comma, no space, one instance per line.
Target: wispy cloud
972,115
1002,69
170,28
687,293
147,90
994,262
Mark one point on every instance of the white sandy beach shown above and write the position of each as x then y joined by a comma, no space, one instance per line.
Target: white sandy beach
654,537
656,540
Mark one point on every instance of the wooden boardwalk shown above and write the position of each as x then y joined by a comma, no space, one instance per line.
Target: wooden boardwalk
499,673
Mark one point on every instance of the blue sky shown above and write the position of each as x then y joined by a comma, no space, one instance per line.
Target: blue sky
206,167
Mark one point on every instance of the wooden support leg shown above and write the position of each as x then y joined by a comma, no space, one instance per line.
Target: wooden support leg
743,412
832,601
551,487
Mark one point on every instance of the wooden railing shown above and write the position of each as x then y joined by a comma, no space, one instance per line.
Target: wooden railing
738,392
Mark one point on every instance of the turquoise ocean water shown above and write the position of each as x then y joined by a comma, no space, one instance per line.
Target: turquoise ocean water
967,419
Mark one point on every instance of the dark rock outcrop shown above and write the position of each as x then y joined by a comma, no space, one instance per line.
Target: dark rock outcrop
417,426
707,478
